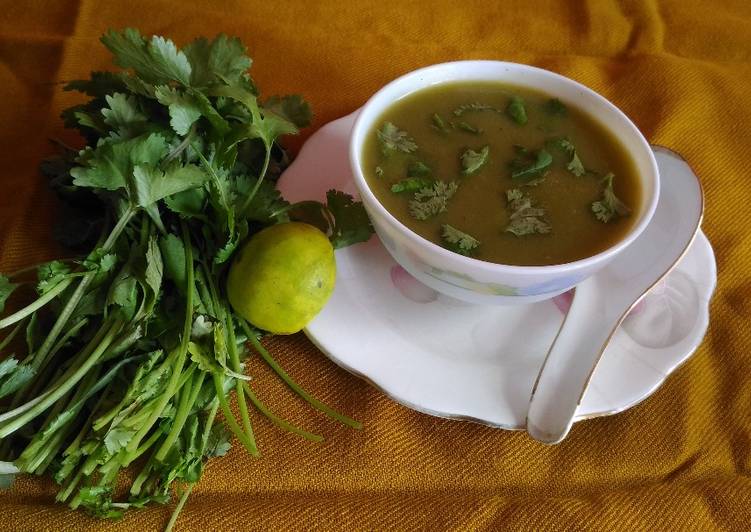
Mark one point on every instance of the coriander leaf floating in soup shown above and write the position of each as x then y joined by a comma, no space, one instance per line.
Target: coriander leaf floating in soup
508,166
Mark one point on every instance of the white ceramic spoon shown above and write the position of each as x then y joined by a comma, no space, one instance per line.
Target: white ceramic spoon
602,301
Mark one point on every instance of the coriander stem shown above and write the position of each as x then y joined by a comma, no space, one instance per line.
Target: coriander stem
209,423
276,420
264,169
235,360
188,395
59,377
180,354
224,316
179,507
40,356
315,403
37,304
9,337
229,418
66,384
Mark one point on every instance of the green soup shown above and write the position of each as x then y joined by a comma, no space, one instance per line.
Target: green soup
502,173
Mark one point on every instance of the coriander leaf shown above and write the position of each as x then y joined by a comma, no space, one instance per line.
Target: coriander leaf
208,110
99,260
173,254
393,139
265,203
222,60
99,85
50,274
16,379
517,111
219,441
431,201
351,222
6,289
609,206
183,108
157,61
473,160
189,203
555,107
527,225
464,126
205,361
122,111
150,184
292,108
123,293
439,124
419,169
524,219
575,165
524,170
378,172
202,327
117,438
411,184
110,165
458,241
514,194
474,106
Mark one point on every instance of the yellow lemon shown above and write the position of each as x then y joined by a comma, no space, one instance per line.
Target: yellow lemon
282,277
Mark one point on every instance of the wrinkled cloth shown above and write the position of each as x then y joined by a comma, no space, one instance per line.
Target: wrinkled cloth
680,460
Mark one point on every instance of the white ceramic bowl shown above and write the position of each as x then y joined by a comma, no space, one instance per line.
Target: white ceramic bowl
477,281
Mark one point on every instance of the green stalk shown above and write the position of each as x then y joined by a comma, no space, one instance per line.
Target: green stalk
315,403
178,508
235,361
230,419
188,395
181,353
276,420
9,337
79,358
209,423
37,304
264,169
56,393
40,356
66,492
224,316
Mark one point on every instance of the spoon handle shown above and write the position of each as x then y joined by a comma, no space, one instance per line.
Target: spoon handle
570,363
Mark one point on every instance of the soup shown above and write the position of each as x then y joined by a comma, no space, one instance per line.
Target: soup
501,173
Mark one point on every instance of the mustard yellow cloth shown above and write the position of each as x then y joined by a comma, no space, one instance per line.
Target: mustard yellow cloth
680,69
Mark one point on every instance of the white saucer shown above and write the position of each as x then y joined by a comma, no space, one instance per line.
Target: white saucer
455,360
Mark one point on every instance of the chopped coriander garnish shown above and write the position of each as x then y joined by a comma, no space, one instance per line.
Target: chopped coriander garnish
439,124
474,106
411,184
464,126
528,225
473,160
419,169
609,206
574,165
524,168
432,200
378,171
394,139
458,241
525,219
555,107
517,111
